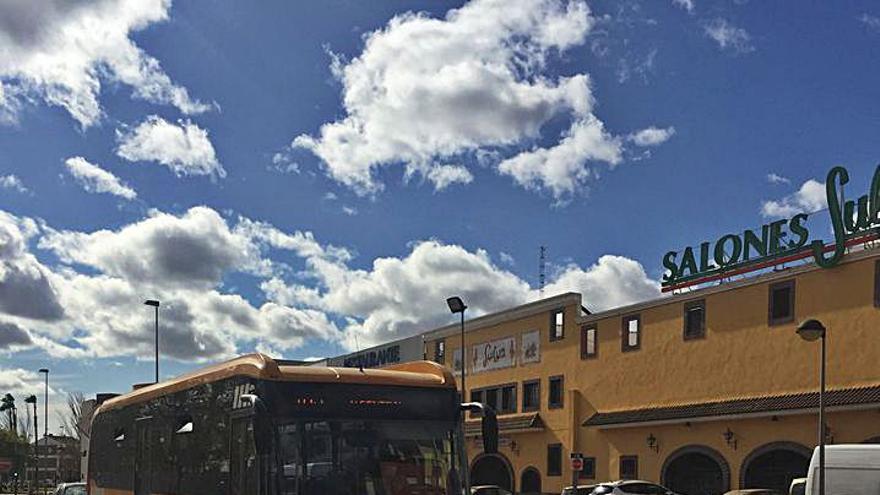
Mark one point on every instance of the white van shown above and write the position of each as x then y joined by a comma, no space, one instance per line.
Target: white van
850,469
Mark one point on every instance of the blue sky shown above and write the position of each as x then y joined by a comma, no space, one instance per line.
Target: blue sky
288,177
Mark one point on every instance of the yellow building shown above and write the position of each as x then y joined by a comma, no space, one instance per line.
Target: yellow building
703,391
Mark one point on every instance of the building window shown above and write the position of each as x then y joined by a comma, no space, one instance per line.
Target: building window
694,319
877,284
555,397
554,459
781,303
632,333
589,341
440,351
557,325
629,467
502,398
589,470
531,400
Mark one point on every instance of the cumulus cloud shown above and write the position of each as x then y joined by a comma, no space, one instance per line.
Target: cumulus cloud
872,22
182,260
809,198
613,281
687,5
652,136
95,179
192,250
728,36
560,168
425,91
183,147
25,288
12,182
13,336
62,52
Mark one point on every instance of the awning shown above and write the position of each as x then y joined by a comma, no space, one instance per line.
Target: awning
746,407
512,423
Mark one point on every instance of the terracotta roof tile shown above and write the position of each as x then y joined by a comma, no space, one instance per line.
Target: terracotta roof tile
768,404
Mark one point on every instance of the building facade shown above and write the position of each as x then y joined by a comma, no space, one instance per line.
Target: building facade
59,460
703,391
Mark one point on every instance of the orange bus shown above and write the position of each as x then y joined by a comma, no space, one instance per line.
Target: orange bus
261,426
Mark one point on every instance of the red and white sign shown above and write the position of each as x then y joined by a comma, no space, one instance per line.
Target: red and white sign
5,465
577,462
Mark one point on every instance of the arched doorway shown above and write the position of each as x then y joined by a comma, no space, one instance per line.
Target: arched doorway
774,465
492,469
696,470
530,483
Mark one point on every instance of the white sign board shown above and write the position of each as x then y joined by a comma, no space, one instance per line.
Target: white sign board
531,347
493,355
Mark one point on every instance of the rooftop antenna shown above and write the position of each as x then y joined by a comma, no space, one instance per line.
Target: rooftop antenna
541,259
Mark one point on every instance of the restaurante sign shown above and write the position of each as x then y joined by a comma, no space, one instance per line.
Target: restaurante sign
852,221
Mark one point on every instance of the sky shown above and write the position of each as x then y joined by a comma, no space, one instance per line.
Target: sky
306,178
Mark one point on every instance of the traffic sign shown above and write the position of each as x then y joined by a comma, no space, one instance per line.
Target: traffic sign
5,465
577,461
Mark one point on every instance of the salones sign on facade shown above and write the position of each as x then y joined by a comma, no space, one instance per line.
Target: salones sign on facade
852,221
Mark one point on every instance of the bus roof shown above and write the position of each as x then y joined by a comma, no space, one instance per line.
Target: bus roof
412,374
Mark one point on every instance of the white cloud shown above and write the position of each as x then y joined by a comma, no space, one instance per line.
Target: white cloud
809,198
183,147
62,52
182,260
560,169
729,36
687,5
95,179
777,179
444,176
12,182
871,21
507,259
425,91
349,210
652,136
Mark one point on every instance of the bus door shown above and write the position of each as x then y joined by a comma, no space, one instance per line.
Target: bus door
243,460
146,441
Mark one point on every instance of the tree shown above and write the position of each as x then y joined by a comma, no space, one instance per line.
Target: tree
73,421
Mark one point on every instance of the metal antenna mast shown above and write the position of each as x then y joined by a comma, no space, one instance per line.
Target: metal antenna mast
541,259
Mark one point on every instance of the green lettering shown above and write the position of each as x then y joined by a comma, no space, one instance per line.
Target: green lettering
753,242
669,264
705,261
688,262
795,225
856,221
875,196
837,176
720,251
776,236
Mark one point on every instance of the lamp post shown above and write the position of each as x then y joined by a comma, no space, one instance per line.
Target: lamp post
155,304
456,305
812,330
45,402
32,399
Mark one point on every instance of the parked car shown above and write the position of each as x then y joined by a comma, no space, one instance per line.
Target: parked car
849,468
71,489
798,486
754,491
580,490
489,490
627,487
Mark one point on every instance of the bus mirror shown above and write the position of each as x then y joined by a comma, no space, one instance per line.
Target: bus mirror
488,427
490,431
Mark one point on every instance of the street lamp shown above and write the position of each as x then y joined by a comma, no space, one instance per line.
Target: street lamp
456,305
45,402
32,399
155,304
812,330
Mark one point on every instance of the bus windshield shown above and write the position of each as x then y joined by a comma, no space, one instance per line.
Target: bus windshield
367,457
